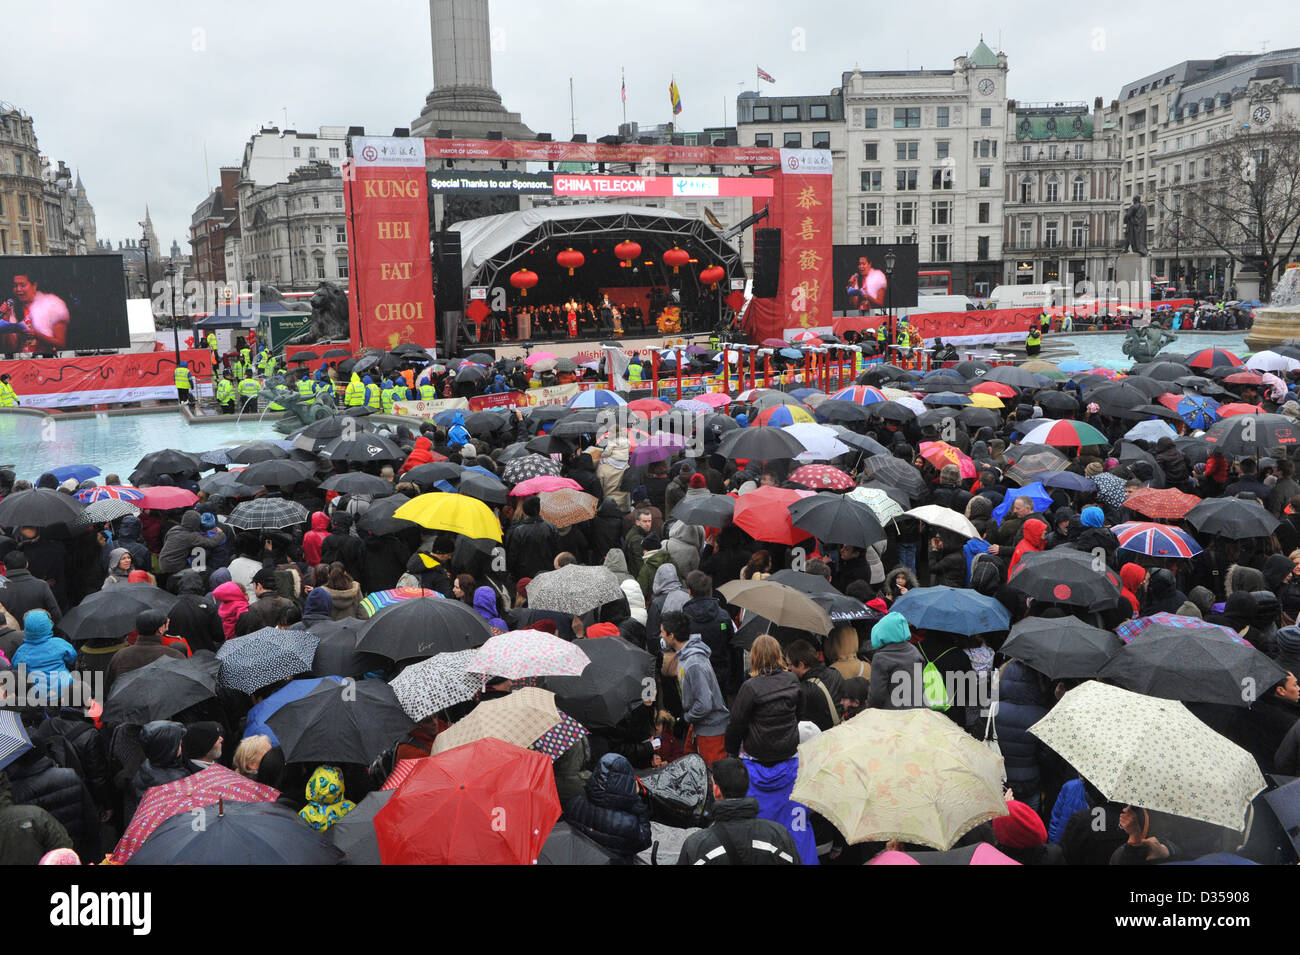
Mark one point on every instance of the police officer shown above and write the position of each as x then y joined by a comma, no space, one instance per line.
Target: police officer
306,387
226,394
882,337
183,383
355,395
427,391
1033,341
386,396
249,388
8,397
373,399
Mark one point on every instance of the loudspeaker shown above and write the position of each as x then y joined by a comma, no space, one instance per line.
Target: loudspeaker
767,262
446,267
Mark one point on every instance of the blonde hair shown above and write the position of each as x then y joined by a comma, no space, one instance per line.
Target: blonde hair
842,644
248,756
765,656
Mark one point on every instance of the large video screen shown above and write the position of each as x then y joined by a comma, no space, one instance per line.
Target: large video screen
863,282
52,303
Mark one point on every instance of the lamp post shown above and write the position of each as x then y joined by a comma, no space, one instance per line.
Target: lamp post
148,284
176,334
890,261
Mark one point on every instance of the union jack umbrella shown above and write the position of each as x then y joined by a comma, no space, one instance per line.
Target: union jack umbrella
822,476
860,395
120,492
1168,504
1156,540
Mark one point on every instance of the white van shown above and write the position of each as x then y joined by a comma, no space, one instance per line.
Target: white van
926,304
1028,296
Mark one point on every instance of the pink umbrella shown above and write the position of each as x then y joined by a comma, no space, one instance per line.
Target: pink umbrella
166,498
714,399
537,356
544,482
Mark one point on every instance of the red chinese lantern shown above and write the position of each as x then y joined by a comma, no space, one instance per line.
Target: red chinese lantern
713,275
627,250
676,258
524,279
570,259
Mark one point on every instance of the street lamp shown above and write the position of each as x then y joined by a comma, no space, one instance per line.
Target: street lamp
891,259
148,284
176,334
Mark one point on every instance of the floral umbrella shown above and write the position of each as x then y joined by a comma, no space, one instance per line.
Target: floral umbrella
530,466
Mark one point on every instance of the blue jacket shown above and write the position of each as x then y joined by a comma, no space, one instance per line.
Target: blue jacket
771,786
1022,702
44,653
610,810
1069,800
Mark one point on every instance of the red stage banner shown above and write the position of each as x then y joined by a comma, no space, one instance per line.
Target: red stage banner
391,276
978,327
597,152
102,379
502,399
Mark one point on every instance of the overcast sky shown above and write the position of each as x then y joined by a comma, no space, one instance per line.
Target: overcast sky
134,94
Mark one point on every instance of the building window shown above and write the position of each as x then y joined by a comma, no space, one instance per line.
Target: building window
907,117
871,180
311,153
1025,238
790,111
869,118
818,111
297,152
1142,139
340,235
1077,189
1053,189
27,242
1077,229
315,202
982,214
1026,190
986,176
318,236
941,149
986,117
1026,153
941,177
792,140
1191,171
320,266
905,213
870,151
906,149
1078,150
982,248
341,266
940,248
762,114
905,180
1051,151
941,116
22,207
821,140
869,214
334,152
763,139
1051,233
941,212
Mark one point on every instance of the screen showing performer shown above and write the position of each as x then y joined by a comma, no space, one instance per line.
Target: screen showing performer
866,281
61,303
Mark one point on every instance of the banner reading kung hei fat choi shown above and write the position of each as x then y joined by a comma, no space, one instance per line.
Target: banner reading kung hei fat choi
388,224
801,208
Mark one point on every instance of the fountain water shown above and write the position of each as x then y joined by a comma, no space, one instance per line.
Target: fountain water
1279,320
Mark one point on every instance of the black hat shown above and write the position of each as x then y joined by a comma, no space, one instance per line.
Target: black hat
265,577
199,739
650,542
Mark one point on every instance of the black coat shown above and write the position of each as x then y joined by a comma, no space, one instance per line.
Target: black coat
611,810
815,706
531,546
1023,700
195,617
27,832
765,718
716,629
737,829
347,550
25,592
36,780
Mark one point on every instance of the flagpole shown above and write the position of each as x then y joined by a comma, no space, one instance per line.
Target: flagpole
623,91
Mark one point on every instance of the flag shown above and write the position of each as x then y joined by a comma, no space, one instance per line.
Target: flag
765,75
625,89
675,96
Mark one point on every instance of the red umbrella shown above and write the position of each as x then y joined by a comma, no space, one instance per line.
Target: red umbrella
484,803
1236,408
995,388
1244,378
1169,504
822,475
764,514
650,407
163,498
939,454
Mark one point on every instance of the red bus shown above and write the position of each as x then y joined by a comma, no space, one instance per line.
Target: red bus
934,283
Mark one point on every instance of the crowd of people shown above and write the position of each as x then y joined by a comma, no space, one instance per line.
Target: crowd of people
699,762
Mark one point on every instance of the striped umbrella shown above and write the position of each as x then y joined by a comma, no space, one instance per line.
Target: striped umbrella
822,476
782,415
1166,504
120,492
596,398
1156,540
372,603
1209,357
14,740
860,394
1065,434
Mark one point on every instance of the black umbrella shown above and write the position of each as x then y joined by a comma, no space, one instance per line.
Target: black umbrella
1245,436
378,518
1061,648
550,443
409,348
713,510
161,689
484,423
376,361
883,375
613,685
1127,452
337,653
1232,517
358,482
1066,576
112,612
974,417
421,627
480,358
572,427
944,417
41,507
277,473
896,472
837,519
1198,665
227,484
1159,411
566,846
837,409
363,449
760,444
167,461
546,413
971,370
1056,402
487,489
355,832
336,353
811,584
530,466
351,723
859,442
305,356
426,475
1151,387
891,411
935,386
1162,370
1119,399
320,433
470,374
1015,377
237,833
255,451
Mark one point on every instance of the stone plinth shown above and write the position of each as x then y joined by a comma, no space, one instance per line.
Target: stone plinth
1280,318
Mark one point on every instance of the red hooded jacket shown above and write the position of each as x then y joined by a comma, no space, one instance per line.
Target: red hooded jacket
421,454
314,538
1132,575
1032,542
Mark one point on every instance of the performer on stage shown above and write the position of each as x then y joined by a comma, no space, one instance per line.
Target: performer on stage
38,319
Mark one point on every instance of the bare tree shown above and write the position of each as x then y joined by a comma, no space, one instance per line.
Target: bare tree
1248,204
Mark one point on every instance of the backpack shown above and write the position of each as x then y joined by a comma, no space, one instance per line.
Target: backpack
934,689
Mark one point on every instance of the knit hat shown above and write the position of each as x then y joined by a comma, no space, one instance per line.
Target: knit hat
597,630
199,739
950,476
469,453
138,577
650,542
265,577
208,520
697,480
546,626
521,588
1022,828
1092,469
1288,649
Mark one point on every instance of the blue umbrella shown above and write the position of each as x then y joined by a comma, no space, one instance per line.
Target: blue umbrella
790,353
596,398
946,399
802,394
1073,364
445,419
261,712
78,472
1035,492
952,610
1069,481
1151,431
1199,411
13,738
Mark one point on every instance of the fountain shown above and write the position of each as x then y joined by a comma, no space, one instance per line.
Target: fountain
1279,320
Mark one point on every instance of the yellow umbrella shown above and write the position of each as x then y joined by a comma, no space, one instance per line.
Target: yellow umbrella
452,512
1038,366
981,400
